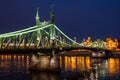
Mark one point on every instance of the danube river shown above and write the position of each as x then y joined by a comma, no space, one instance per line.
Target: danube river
80,67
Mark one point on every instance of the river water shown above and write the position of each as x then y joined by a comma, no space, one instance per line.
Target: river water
80,67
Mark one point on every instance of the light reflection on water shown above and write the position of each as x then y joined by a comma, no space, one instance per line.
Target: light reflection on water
80,63
16,67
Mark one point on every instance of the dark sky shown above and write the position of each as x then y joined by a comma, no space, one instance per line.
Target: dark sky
80,18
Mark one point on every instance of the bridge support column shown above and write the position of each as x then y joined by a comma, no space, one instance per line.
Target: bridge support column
55,63
15,42
25,43
52,43
45,63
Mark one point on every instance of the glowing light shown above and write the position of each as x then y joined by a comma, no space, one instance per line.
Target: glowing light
113,66
111,44
87,42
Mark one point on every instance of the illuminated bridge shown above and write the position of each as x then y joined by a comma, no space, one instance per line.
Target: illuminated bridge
42,36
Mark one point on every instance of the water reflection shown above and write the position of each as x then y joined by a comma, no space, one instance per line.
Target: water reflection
36,75
13,64
113,66
16,67
80,63
91,68
75,67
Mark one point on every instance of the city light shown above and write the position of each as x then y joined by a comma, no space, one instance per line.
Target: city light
109,43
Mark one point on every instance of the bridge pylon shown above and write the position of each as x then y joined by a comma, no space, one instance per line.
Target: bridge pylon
37,17
52,29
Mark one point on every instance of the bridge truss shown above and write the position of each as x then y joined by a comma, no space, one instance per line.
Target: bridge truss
42,35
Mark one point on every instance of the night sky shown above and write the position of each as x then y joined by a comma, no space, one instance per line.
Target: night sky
76,18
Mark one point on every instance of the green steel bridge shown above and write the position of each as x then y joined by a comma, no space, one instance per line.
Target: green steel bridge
44,35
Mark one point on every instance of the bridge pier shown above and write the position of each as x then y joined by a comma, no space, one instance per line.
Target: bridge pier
45,63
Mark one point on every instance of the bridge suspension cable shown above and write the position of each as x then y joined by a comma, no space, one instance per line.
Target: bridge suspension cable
23,32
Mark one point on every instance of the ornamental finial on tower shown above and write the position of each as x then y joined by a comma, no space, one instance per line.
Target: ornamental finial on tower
37,17
52,14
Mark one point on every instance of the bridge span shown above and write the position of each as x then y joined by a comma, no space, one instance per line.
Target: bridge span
41,37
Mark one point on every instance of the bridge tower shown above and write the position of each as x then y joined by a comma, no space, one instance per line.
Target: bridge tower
38,33
52,29
37,18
